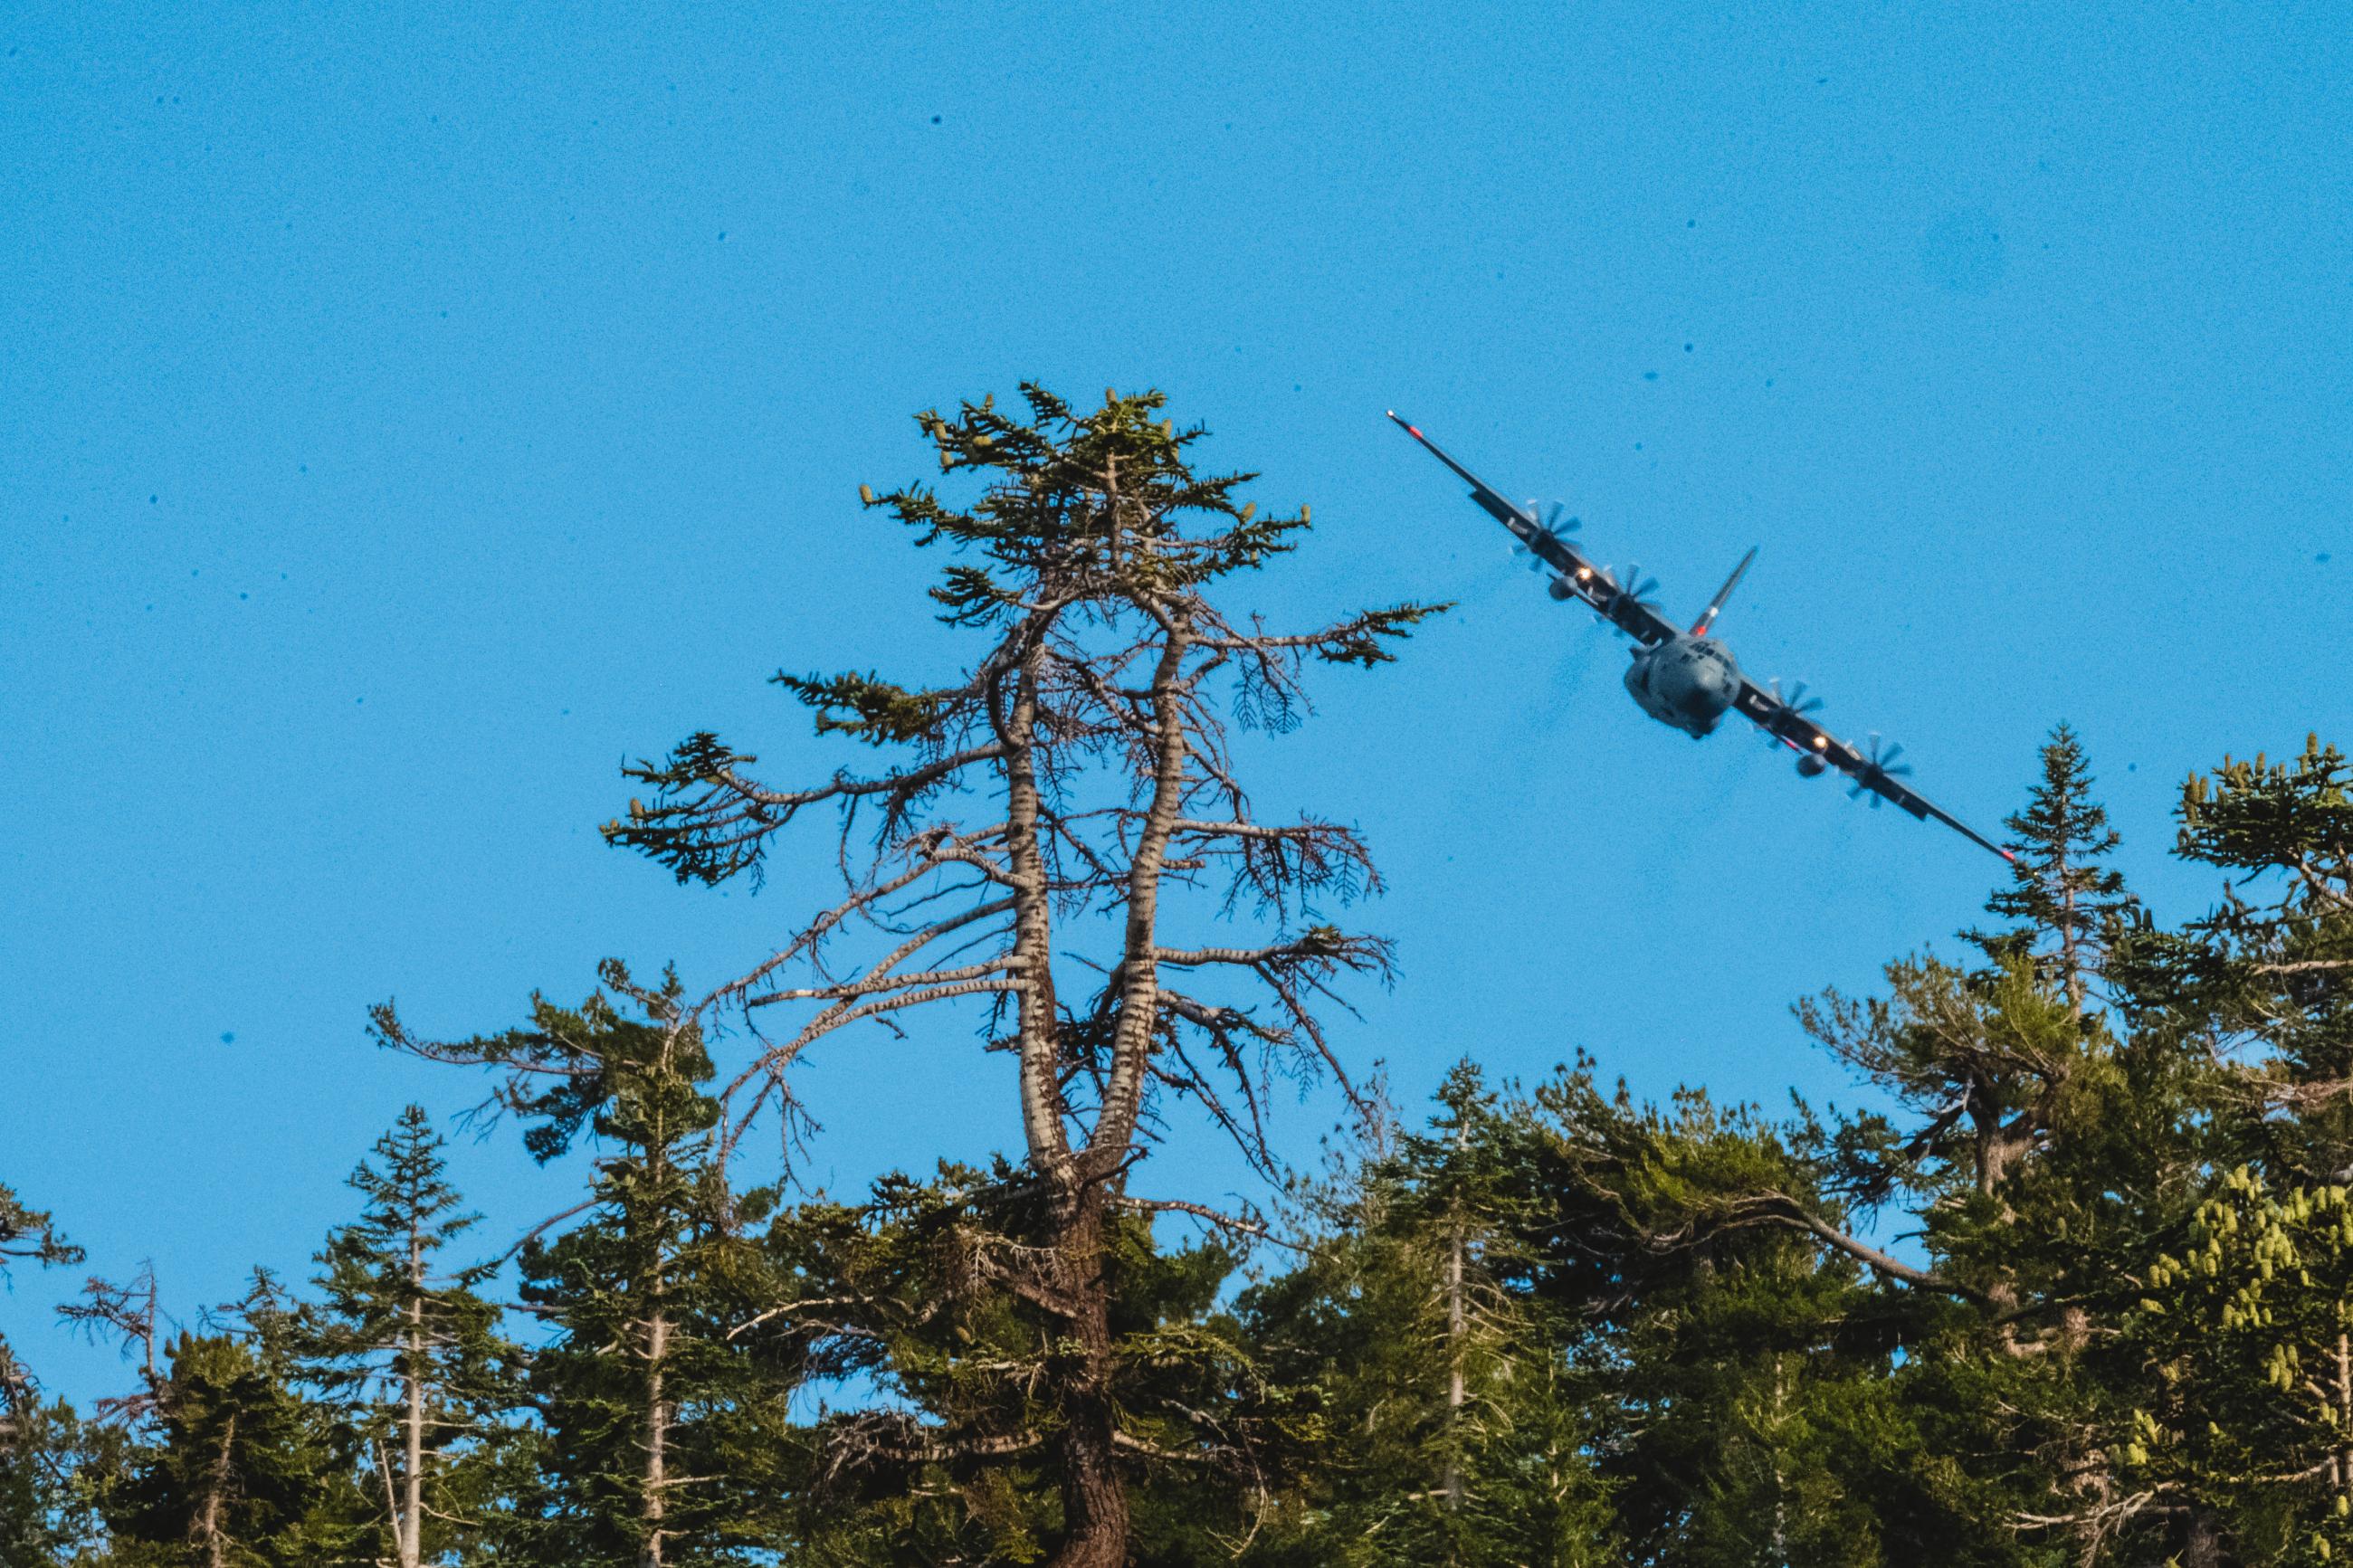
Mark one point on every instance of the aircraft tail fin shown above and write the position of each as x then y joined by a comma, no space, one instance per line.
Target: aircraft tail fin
1707,617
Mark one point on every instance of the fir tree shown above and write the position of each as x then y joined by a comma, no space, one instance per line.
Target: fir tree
2268,975
237,1471
1453,1427
408,1350
46,1477
2068,903
638,1386
1738,1353
658,1421
1992,1072
2235,1317
1512,1482
2243,1339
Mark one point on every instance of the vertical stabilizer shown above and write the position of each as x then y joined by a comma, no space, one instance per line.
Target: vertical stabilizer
1707,617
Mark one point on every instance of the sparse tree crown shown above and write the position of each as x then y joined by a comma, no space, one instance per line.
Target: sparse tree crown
1032,843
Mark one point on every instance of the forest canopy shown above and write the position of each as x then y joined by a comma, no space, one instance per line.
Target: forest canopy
2073,1284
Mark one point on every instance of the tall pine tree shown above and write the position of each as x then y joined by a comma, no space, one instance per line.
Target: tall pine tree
658,1421
1036,819
410,1351
1455,1428
2066,901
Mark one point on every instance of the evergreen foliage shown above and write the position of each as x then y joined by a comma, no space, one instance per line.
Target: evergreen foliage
408,1351
1450,1427
2073,1286
2066,903
44,1504
238,1470
659,1412
39,1437
906,1301
29,1234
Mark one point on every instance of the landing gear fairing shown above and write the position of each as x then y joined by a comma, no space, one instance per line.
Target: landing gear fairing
1686,679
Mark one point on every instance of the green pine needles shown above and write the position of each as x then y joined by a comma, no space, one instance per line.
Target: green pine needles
2066,1285
406,1349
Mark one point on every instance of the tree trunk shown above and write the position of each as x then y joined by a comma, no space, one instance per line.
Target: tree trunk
1094,1497
657,1441
1095,1494
1999,1145
1455,1390
208,1524
2202,1545
1781,1481
2341,1461
408,1533
1041,1094
2067,943
1139,1002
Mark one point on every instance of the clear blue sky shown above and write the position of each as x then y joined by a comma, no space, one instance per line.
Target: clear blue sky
408,412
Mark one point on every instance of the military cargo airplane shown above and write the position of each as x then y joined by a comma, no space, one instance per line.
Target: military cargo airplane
1686,679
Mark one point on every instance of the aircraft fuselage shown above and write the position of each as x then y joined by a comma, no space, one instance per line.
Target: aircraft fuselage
1686,682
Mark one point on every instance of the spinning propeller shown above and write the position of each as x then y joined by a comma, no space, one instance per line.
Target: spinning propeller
1795,699
1636,586
1552,522
1635,591
1878,765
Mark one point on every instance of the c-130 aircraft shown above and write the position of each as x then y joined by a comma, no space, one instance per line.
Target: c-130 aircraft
1686,679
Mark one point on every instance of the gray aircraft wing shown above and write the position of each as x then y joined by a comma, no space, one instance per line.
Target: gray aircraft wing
1874,770
1574,576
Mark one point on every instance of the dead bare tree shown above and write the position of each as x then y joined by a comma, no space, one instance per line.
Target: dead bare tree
129,1314
1052,814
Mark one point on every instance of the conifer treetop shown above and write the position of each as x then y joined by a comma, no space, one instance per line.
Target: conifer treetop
2066,901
